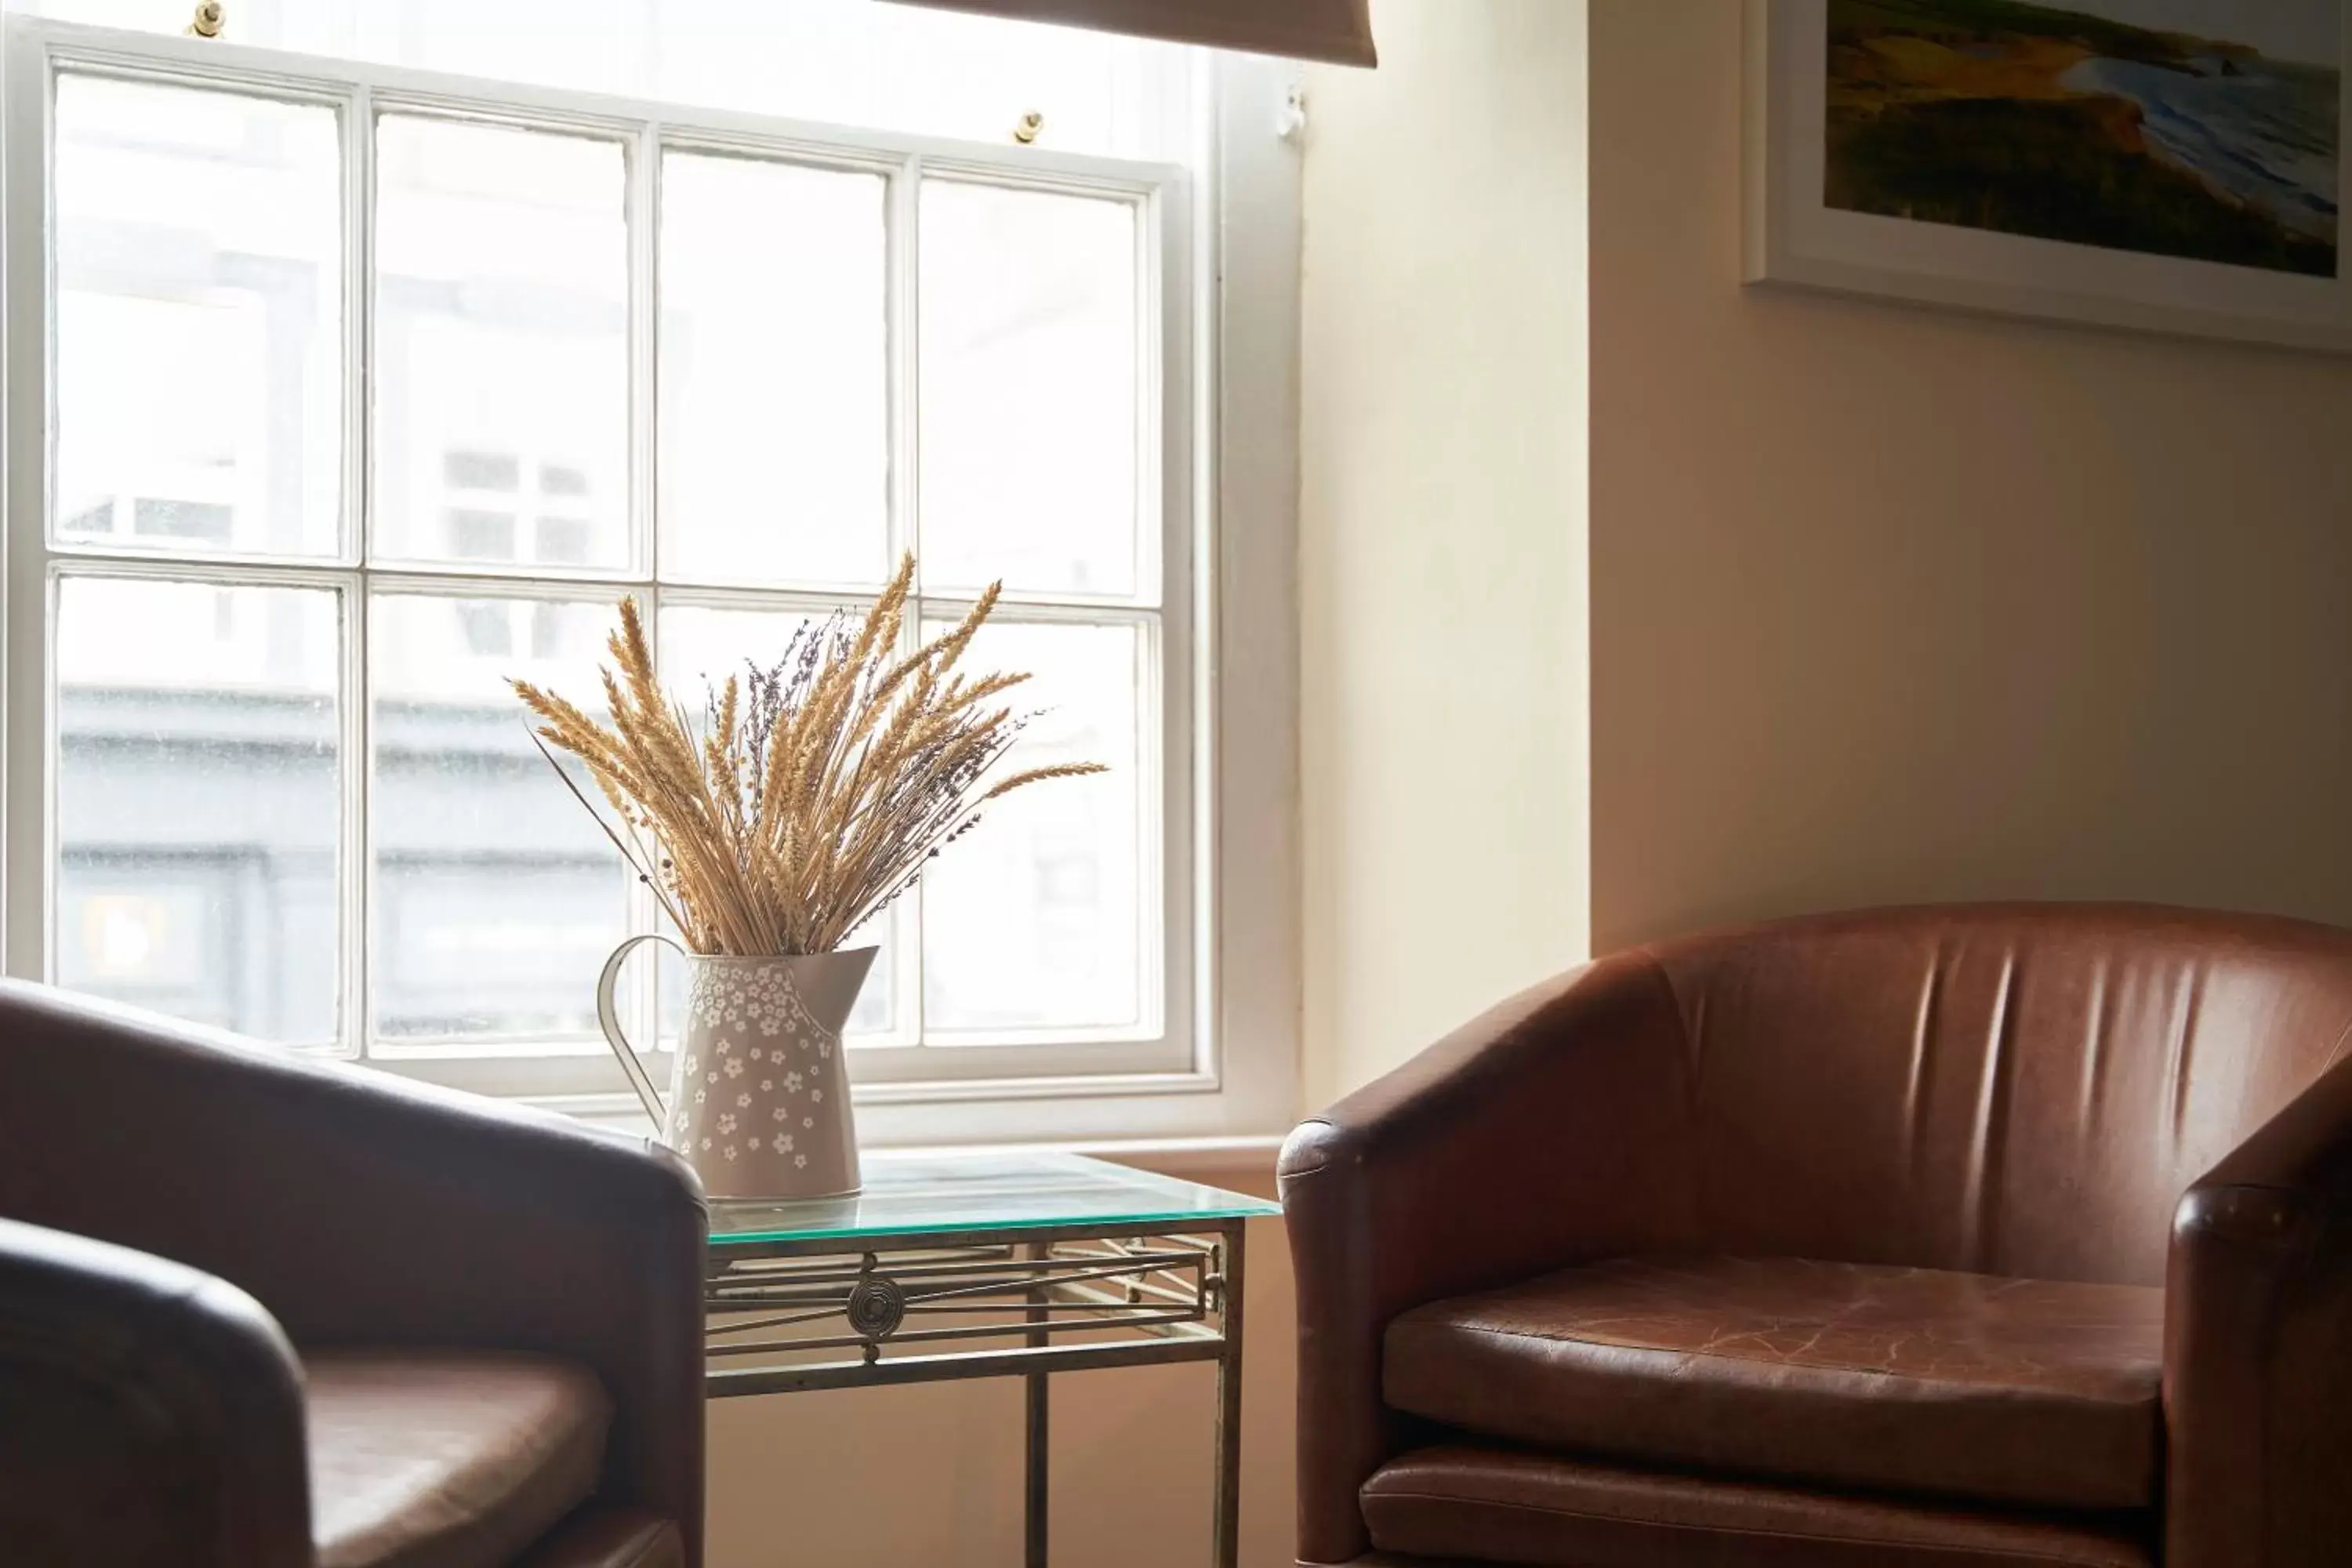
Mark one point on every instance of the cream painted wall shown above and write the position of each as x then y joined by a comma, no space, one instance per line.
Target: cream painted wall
1894,605
1442,526
929,1477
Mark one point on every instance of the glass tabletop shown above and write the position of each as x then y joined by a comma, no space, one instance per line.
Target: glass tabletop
912,1194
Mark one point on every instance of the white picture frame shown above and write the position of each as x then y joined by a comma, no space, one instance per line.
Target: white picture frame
1794,238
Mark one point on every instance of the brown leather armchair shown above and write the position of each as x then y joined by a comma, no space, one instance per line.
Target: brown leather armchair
262,1312
1960,1236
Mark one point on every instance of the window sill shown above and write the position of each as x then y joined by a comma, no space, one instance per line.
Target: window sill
1103,1125
1245,1159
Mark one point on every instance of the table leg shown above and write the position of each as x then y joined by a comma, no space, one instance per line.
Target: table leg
1227,1522
1037,1450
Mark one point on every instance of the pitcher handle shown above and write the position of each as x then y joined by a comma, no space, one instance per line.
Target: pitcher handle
606,982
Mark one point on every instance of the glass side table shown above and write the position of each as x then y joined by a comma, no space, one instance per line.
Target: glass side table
988,1266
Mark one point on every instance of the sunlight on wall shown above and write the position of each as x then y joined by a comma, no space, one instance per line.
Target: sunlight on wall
1442,527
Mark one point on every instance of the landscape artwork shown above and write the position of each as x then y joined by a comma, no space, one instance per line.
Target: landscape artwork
2206,129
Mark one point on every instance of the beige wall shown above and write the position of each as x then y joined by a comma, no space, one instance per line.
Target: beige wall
1442,526
929,1477
1896,604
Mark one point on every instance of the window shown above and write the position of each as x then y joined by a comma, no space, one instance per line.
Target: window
358,392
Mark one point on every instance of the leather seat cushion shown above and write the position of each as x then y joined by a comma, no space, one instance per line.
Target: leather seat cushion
1501,1506
433,1458
2022,1391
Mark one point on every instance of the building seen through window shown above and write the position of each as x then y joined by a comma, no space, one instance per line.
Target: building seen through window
204,728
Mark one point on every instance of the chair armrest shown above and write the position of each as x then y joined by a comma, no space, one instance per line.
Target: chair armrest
1550,1130
149,1413
360,1209
2258,1346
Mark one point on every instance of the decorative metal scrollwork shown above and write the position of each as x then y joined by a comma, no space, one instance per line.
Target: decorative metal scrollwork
1163,1287
876,1307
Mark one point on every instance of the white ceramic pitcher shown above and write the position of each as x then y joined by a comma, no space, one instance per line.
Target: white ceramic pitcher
758,1098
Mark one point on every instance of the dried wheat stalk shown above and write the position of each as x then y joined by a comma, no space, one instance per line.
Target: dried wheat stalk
813,794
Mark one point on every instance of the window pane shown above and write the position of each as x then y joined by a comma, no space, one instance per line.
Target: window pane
699,649
775,444
496,899
199,320
197,801
1035,918
501,345
1030,400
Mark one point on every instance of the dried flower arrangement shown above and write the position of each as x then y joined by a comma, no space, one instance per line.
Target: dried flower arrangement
814,792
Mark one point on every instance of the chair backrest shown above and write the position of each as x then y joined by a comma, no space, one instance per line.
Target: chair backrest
2007,1089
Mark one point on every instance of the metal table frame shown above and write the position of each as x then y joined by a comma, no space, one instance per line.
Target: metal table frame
1059,1290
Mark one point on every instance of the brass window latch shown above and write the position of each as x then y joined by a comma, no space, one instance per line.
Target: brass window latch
1031,123
208,21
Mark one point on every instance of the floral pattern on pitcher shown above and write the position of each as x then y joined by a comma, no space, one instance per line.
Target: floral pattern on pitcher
753,1020
759,1101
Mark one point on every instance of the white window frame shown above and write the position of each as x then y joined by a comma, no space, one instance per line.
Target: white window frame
1218,251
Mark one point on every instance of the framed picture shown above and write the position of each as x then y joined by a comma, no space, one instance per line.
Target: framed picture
2169,164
